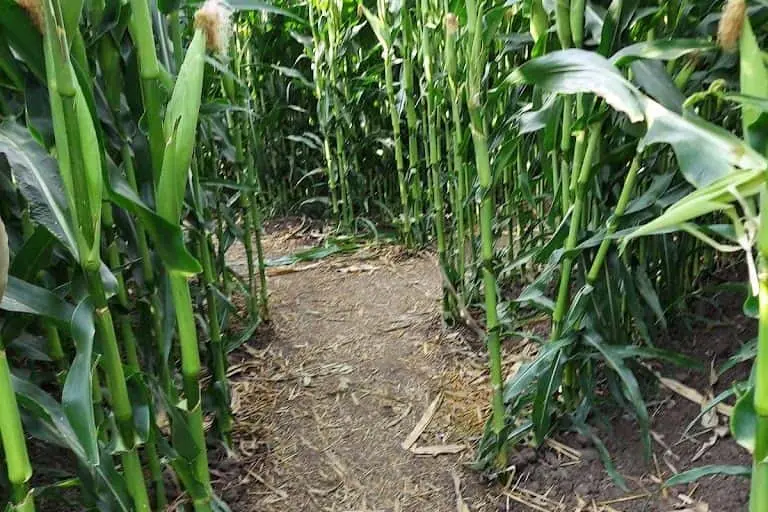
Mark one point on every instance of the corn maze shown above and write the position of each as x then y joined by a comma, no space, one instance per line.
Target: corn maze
584,175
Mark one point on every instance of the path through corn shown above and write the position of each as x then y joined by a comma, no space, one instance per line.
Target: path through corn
324,403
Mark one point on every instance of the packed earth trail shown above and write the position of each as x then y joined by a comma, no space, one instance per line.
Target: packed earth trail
350,368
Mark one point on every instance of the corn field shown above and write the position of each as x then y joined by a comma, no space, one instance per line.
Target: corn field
588,164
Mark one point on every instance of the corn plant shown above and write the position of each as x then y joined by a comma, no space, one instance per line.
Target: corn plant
96,245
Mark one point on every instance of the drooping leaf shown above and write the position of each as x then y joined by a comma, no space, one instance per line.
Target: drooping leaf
23,297
39,182
535,120
652,77
257,5
573,71
293,73
694,474
167,237
704,151
52,424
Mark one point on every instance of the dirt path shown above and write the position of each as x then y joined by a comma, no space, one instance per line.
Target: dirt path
355,357
324,405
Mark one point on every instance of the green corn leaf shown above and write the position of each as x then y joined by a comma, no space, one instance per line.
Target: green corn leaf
694,474
535,120
744,421
256,5
545,394
616,19
183,468
705,152
631,387
39,182
757,104
378,27
539,20
168,238
574,71
34,348
662,49
32,256
9,65
722,397
658,186
536,292
71,11
652,77
77,394
141,403
715,197
85,209
745,353
605,457
532,370
52,425
648,293
168,6
638,352
634,304
23,297
293,73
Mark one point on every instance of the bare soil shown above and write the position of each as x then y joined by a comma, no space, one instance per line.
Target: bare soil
355,355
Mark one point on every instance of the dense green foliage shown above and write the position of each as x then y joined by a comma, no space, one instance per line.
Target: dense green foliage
124,179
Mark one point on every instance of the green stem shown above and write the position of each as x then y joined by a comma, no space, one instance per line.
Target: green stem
476,63
458,160
563,293
399,162
758,499
221,387
563,23
190,369
14,441
55,349
116,383
613,222
143,36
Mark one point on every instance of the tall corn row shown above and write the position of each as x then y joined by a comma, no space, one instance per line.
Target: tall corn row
102,225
